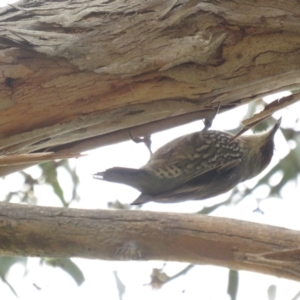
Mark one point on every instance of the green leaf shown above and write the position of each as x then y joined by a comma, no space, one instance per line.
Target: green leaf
272,292
50,175
233,283
5,264
68,266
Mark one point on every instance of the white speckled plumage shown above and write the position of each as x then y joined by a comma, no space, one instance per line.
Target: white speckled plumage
197,166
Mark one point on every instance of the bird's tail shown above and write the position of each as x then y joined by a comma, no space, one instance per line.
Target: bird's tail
142,199
128,176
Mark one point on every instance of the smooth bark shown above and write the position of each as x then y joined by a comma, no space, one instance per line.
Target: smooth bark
143,235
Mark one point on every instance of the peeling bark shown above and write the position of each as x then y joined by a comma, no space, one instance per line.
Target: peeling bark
73,71
77,75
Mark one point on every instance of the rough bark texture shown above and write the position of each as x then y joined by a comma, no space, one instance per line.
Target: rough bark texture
142,235
76,75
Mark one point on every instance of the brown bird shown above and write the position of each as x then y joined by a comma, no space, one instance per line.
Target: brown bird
197,166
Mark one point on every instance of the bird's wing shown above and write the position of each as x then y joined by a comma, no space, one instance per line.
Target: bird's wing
191,186
198,182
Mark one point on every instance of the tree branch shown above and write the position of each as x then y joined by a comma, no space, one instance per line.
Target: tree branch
144,235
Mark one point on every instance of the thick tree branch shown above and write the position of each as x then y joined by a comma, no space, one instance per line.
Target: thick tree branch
143,235
75,70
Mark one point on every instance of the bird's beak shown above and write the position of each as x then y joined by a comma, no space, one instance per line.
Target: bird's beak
275,128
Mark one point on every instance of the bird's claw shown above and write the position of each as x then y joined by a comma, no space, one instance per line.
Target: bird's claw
209,120
145,139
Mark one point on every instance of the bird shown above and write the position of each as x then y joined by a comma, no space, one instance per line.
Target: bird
197,166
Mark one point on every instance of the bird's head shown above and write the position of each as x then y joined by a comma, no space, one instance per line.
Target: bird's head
261,149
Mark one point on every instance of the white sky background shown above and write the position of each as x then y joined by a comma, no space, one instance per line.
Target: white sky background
5,2
202,282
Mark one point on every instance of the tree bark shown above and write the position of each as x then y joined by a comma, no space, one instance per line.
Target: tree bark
76,75
144,235
74,71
